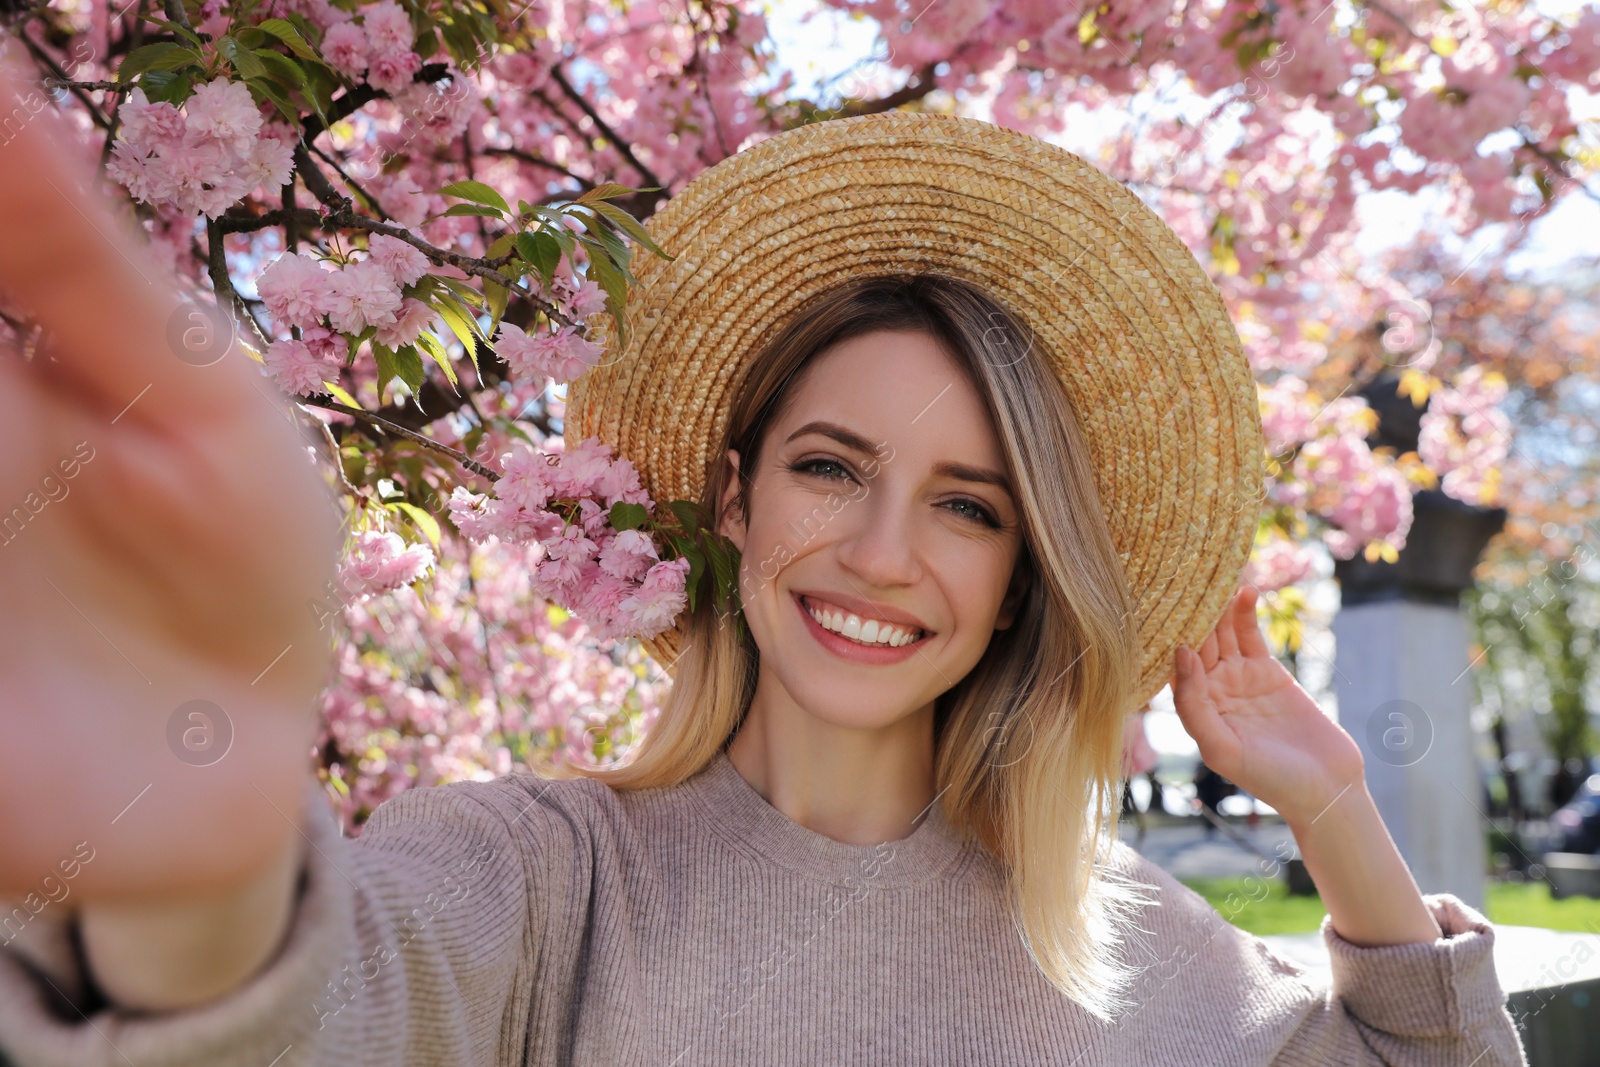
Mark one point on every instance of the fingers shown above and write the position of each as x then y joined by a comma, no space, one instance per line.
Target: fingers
71,265
1248,627
1190,696
1227,633
1208,650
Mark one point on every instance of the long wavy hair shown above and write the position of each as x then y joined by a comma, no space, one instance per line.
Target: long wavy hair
1028,745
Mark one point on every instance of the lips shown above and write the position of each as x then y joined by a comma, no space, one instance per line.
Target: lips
850,626
854,651
865,610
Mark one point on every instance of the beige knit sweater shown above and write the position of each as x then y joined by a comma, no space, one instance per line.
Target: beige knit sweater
525,921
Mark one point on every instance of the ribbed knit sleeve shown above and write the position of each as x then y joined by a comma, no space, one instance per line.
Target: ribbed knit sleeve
1414,1005
414,944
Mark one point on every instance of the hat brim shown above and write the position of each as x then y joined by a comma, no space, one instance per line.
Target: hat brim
1151,363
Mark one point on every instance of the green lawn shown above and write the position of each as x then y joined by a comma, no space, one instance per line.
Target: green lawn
1264,907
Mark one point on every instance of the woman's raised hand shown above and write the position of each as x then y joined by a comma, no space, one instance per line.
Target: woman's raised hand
163,534
1254,724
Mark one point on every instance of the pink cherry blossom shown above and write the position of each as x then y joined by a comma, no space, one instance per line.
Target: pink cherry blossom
528,478
326,344
1279,563
393,71
361,295
382,562
629,554
388,27
222,111
296,289
345,48
403,262
147,124
298,370
413,317
660,599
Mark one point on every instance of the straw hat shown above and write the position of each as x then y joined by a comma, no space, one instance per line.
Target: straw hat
1151,363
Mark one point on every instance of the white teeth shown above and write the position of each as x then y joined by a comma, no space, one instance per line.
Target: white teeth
872,632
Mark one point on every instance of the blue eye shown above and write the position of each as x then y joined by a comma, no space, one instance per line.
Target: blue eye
807,466
982,513
821,464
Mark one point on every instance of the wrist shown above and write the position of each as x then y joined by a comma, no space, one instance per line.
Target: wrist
1340,806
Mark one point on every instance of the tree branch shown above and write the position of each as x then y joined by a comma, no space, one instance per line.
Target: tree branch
400,431
533,160
600,123
43,57
222,285
362,95
372,201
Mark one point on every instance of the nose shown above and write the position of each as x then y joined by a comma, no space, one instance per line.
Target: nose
879,546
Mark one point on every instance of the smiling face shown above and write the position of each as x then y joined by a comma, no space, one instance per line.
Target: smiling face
872,497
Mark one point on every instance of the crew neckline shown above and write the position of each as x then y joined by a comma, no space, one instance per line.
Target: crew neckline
739,813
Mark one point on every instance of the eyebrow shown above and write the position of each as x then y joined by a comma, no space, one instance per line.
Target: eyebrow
852,440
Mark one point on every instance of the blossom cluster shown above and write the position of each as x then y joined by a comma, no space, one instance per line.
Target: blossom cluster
1278,563
1466,437
469,679
379,46
615,580
204,158
331,306
1334,473
381,562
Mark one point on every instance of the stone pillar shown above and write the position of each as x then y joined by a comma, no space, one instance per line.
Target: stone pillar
1402,675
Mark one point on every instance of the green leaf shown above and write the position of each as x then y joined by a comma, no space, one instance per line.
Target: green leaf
500,246
163,55
461,289
426,44
441,357
697,566
687,514
408,364
385,361
542,252
341,396
722,567
173,28
467,209
632,228
321,83
563,237
498,297
604,191
478,193
613,246
616,287
282,69
425,522
246,63
285,31
626,516
460,321
165,85
265,87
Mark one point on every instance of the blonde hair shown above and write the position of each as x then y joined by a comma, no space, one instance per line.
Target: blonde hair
1028,746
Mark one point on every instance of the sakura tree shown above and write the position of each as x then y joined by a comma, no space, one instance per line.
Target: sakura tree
415,215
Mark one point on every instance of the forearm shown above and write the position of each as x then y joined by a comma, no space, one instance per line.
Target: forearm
1364,882
183,950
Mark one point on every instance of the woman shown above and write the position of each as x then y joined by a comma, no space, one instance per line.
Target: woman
824,851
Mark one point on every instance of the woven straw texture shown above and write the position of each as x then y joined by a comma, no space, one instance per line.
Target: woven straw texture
1139,335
